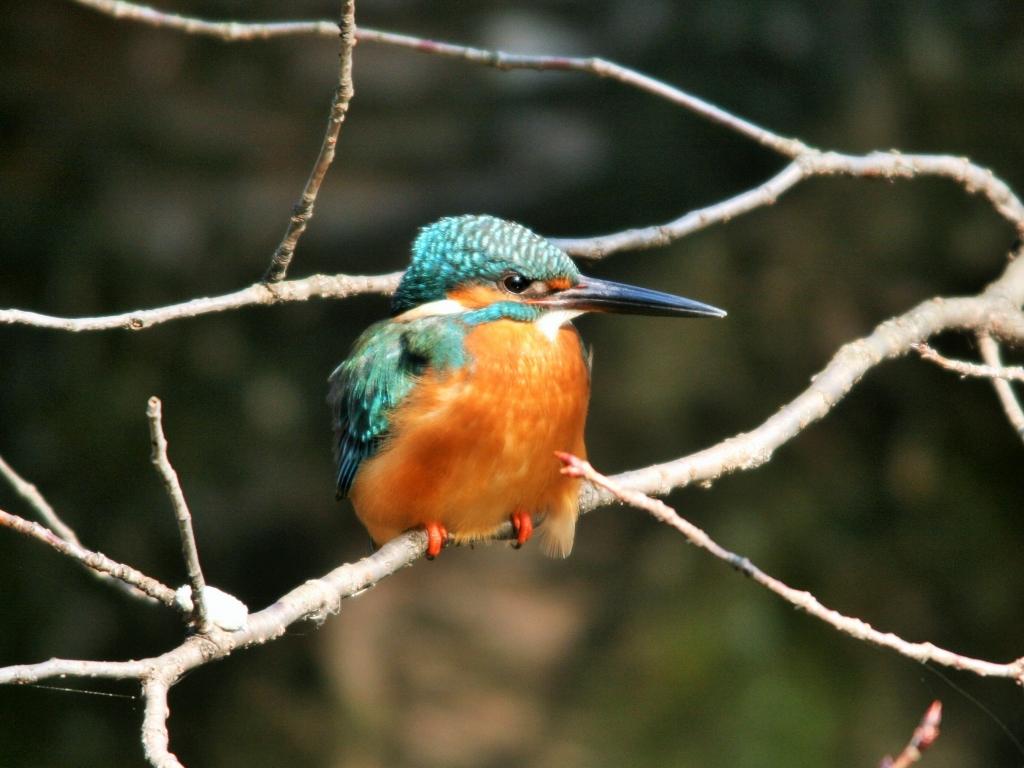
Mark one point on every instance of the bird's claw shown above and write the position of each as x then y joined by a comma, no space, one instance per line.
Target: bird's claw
522,524
437,535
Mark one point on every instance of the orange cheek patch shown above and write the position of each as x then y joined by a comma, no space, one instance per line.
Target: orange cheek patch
559,284
477,296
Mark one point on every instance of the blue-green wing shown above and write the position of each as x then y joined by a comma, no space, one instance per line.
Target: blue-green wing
365,388
381,371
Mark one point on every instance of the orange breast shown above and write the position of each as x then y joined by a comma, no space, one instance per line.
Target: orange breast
468,447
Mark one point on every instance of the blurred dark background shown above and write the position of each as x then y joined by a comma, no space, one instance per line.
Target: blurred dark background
140,167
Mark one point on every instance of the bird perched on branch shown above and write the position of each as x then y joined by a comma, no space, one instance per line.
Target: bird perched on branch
448,414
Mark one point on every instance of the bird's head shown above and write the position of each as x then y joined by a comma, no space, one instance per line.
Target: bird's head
481,260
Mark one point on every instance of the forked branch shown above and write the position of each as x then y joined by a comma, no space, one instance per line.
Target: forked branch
94,561
189,550
1007,397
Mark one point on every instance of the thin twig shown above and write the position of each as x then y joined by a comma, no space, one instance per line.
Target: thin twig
599,68
38,502
892,166
258,294
303,210
1004,390
57,526
27,674
95,561
155,739
189,551
975,370
765,194
854,627
924,736
229,31
232,31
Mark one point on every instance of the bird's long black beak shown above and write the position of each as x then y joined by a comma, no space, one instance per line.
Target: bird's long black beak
594,295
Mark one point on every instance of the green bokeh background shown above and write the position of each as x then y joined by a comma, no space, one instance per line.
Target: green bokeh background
139,168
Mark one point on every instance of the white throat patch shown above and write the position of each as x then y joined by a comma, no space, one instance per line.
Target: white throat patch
432,309
550,322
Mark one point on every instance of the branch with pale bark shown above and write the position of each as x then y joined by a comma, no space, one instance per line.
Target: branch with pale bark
924,736
1004,390
993,314
805,601
303,210
966,369
189,550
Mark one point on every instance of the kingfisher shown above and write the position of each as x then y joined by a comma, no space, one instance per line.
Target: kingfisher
448,415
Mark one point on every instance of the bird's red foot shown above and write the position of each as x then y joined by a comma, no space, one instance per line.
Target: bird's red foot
522,523
437,534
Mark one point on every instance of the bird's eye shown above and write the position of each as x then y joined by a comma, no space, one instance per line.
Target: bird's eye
515,283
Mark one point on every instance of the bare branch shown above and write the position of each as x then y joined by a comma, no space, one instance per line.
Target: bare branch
848,625
1008,372
760,196
26,674
809,163
594,66
237,31
229,31
893,165
189,550
303,210
95,561
155,739
1011,406
38,502
924,736
258,294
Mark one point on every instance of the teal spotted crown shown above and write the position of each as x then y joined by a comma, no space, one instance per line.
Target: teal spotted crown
463,249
